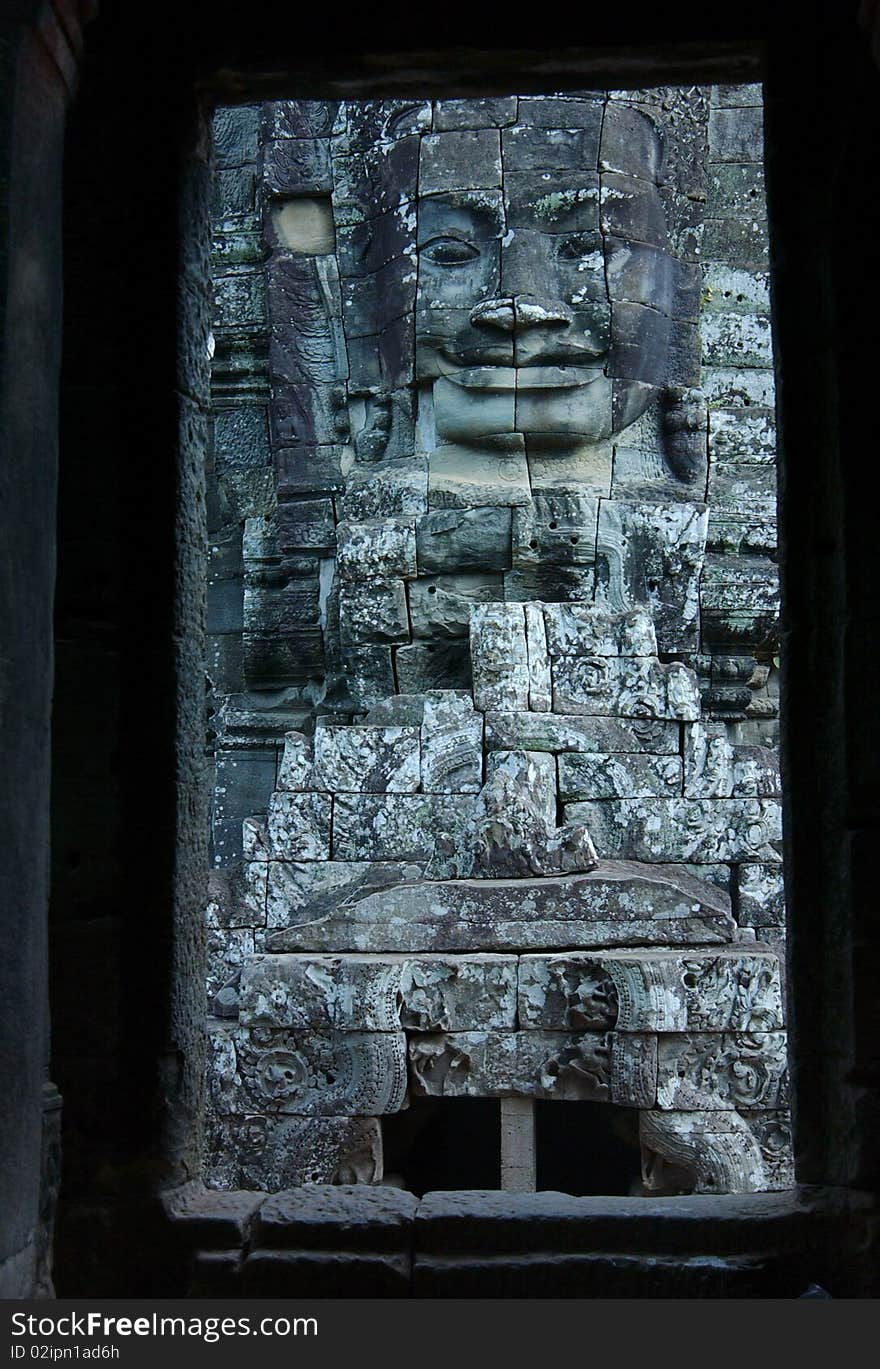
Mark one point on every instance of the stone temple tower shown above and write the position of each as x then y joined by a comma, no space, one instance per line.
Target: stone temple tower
497,806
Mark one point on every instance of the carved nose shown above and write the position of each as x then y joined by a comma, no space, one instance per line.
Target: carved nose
520,311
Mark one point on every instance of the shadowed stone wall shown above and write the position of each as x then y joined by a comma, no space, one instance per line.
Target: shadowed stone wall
122,240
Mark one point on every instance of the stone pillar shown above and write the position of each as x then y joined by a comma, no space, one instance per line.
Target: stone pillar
38,67
517,1145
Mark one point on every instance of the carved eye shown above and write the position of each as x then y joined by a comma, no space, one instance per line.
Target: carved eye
579,245
449,251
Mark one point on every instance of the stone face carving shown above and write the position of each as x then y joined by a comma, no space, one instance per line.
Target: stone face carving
510,587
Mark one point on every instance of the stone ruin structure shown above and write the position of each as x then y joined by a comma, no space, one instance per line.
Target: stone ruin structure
493,613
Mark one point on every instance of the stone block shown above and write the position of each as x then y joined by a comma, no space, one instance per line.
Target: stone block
740,242
652,991
760,896
634,686
369,674
651,555
300,892
555,527
590,630
255,842
328,992
427,828
704,1072
713,768
630,142
301,118
306,1074
326,1274
555,732
728,388
276,1153
456,540
511,1064
524,148
282,611
299,825
387,489
463,414
243,784
570,992
440,606
241,437
239,300
460,477
736,135
743,520
540,682
236,134
514,825
234,193
376,549
372,611
372,124
499,657
631,209
432,665
583,1066
357,1217
739,602
210,1219
237,896
486,113
716,1152
451,744
561,111
587,469
367,760
276,660
297,165
306,524
682,829
619,904
643,345
458,993
460,160
375,178
564,409
737,96
618,775
736,340
297,770
641,275
228,950
388,993
549,583
731,291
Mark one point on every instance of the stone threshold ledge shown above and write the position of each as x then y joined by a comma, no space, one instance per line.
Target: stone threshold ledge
362,1241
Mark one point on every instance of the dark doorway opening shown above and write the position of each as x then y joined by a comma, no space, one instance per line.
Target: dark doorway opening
587,1148
443,1143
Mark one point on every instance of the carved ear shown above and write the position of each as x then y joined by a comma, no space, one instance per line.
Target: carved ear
684,421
